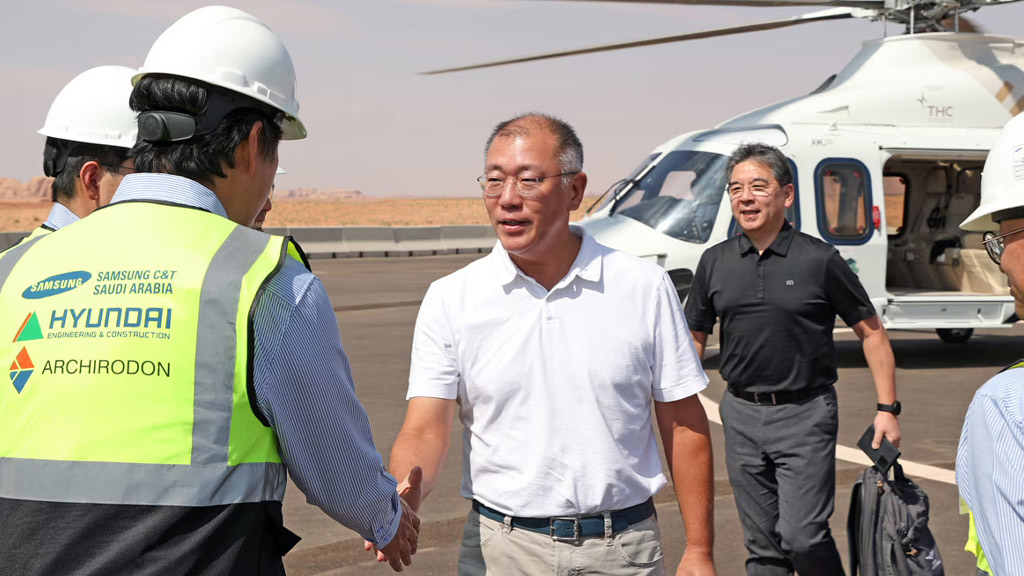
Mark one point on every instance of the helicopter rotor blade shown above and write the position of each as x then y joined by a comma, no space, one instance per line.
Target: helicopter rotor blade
830,14
873,4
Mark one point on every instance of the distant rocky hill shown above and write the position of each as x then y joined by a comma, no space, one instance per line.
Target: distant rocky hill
37,188
314,194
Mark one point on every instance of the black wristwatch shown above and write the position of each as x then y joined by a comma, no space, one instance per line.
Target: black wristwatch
895,408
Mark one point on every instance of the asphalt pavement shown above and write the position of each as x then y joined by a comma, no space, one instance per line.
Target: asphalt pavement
376,300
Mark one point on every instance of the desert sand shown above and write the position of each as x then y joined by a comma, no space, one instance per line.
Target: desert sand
20,216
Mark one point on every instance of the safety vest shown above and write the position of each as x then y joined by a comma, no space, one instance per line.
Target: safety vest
40,231
129,338
973,544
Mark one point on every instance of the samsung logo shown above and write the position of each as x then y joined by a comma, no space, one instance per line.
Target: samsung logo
54,285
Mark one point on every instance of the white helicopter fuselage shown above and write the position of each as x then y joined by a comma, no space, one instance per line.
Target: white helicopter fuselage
887,157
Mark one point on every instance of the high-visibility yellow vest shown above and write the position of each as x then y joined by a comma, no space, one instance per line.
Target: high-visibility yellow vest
973,544
129,341
40,231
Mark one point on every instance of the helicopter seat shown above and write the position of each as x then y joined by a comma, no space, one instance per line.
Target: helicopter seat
980,274
922,250
945,259
896,272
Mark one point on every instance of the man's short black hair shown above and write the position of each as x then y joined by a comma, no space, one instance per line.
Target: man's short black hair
770,156
202,157
78,154
568,146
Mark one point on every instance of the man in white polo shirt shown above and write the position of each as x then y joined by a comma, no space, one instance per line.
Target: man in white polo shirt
553,349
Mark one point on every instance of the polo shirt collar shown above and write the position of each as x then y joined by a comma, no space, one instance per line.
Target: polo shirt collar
587,266
779,246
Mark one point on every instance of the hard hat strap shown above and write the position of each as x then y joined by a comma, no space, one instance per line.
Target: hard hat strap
1008,214
54,166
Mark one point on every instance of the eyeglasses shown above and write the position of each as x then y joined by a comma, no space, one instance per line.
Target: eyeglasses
117,168
494,185
994,244
760,189
273,185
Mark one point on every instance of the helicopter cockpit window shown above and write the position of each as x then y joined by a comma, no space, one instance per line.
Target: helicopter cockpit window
612,193
844,197
679,197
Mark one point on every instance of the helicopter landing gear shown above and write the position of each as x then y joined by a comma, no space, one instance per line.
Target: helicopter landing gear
954,335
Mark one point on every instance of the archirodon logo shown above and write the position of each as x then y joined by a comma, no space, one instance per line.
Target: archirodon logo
22,367
21,370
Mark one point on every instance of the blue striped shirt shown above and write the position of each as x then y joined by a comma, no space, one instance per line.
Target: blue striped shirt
60,216
304,384
989,463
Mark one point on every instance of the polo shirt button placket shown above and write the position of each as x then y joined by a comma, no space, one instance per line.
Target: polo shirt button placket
759,283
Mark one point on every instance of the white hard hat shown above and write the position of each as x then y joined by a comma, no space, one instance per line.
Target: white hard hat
93,108
1002,179
232,49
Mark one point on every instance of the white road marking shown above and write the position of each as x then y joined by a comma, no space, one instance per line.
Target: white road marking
855,455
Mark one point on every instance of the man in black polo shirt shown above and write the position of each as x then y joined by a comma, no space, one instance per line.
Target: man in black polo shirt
777,292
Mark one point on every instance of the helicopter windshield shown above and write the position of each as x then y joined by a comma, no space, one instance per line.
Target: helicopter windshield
679,197
609,195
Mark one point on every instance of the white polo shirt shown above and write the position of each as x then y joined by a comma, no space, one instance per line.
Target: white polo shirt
555,388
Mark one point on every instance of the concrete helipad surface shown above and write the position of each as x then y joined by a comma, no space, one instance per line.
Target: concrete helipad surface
377,300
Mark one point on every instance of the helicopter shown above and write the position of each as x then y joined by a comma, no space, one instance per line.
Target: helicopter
886,155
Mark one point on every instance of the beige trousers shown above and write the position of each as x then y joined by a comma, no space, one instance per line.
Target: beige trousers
491,548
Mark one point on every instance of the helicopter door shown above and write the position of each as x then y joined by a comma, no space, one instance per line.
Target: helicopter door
847,216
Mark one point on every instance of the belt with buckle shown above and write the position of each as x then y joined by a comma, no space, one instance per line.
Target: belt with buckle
572,528
776,398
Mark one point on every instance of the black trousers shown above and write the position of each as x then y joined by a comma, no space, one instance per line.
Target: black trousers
781,462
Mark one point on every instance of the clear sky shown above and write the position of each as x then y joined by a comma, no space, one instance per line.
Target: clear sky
377,126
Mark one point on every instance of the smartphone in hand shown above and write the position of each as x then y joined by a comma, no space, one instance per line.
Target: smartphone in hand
886,454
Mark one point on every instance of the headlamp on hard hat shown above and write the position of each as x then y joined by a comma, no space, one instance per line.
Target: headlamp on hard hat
168,126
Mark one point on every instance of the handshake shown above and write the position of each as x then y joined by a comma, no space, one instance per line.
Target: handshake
400,549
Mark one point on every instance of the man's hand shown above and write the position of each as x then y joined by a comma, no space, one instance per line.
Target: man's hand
888,426
696,563
411,489
401,548
411,492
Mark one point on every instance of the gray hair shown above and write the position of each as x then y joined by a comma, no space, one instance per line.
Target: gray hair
568,146
770,156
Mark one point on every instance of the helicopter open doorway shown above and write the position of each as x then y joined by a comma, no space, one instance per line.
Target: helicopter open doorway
930,259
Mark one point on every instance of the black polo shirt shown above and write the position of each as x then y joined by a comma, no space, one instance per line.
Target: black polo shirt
777,309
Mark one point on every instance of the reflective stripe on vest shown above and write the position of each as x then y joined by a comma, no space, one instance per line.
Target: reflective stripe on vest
124,426
38,232
10,257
